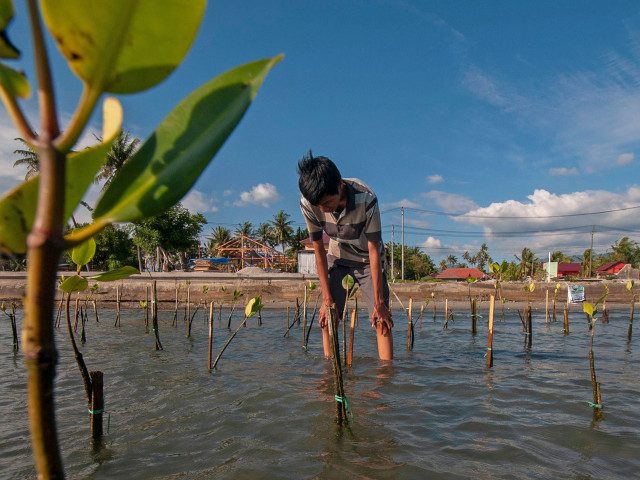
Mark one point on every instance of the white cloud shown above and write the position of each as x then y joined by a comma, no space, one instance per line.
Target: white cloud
563,171
263,194
450,202
431,242
625,158
198,202
227,193
548,221
435,178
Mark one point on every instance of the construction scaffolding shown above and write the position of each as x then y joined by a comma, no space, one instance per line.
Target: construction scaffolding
245,251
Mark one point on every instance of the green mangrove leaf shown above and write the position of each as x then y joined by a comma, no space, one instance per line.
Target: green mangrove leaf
348,282
311,285
237,294
123,46
74,284
588,309
163,170
14,82
83,253
471,280
117,274
629,285
7,49
18,206
253,306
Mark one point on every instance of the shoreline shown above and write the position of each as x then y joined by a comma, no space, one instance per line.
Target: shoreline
279,290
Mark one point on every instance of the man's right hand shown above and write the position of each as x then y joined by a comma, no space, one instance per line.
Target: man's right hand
323,319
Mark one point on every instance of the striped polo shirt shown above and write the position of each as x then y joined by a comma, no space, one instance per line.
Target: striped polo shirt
350,231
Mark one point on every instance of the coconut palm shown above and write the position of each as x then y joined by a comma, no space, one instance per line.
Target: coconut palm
123,147
245,228
282,229
28,158
527,261
219,235
264,233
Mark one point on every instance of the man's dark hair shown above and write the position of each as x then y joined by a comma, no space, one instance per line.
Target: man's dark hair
319,176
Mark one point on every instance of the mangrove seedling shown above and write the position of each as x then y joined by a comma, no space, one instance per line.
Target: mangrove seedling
120,48
253,306
591,311
630,284
236,296
348,283
12,319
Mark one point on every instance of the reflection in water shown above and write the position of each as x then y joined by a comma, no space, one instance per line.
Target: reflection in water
269,409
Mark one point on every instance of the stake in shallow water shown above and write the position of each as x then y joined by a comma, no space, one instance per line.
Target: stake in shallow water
596,404
253,306
490,333
348,283
341,399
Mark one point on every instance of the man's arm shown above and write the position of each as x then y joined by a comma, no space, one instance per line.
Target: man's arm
322,268
381,312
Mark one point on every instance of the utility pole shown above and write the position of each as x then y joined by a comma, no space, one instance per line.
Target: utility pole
393,239
402,251
593,229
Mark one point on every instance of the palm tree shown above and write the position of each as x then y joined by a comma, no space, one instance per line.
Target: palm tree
121,150
527,262
219,236
245,229
28,158
282,228
264,233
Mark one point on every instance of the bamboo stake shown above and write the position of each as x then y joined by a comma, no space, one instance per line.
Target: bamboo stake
313,316
435,310
95,310
595,386
554,309
14,328
75,315
154,305
97,403
210,353
288,308
304,315
605,313
174,323
489,363
188,307
446,314
340,397
546,306
410,325
529,327
566,319
351,335
83,337
146,309
633,306
118,321
474,317
59,312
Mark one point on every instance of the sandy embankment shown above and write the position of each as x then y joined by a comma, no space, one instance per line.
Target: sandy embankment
280,290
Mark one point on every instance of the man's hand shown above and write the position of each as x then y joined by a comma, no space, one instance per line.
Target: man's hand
382,319
323,318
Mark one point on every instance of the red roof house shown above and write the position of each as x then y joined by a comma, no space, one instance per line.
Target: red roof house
610,268
461,274
569,269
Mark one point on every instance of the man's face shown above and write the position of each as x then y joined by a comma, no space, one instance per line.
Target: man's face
329,203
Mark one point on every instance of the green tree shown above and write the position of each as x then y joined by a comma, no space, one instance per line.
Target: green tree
627,251
527,263
417,263
558,256
295,241
282,229
114,249
28,158
123,147
480,259
219,236
244,228
174,232
265,234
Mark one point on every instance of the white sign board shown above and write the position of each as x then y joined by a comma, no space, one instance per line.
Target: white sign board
575,294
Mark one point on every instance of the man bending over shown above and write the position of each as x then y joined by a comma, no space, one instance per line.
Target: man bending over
347,210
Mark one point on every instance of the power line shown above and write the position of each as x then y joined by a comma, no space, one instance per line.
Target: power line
467,215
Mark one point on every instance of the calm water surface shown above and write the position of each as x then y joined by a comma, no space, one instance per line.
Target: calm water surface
268,411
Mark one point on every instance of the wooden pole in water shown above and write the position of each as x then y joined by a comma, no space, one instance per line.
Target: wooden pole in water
435,310
529,327
340,397
117,322
351,335
288,317
566,319
490,333
304,315
296,316
605,313
210,355
410,325
146,309
446,309
174,323
554,309
188,307
14,328
76,312
95,310
154,304
633,307
59,312
97,403
474,317
595,387
546,306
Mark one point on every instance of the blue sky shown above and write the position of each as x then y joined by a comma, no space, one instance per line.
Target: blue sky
486,110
